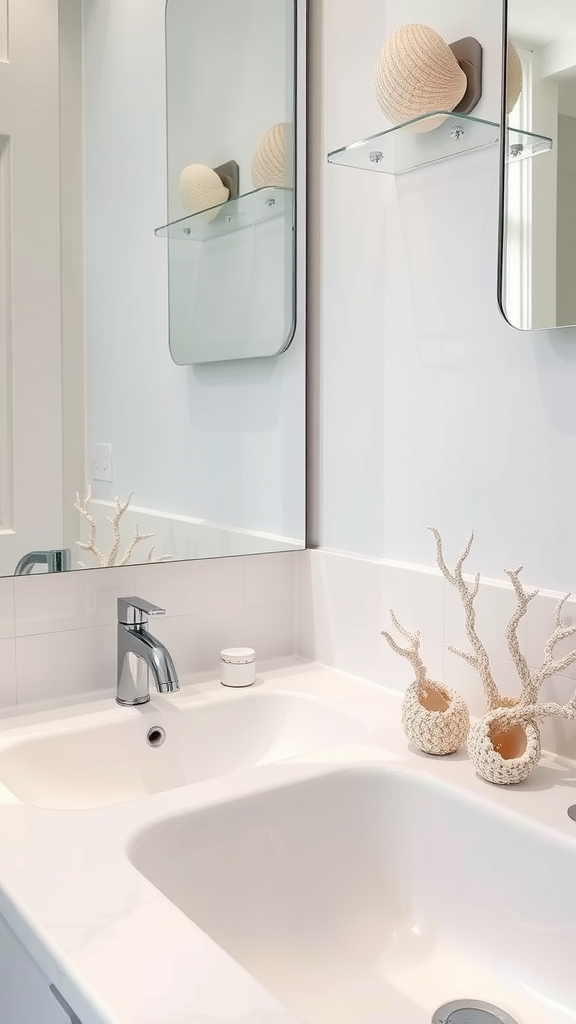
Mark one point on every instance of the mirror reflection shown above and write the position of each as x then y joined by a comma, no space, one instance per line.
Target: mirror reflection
230,98
113,450
538,244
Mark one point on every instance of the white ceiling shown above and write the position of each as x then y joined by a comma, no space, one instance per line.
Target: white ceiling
541,21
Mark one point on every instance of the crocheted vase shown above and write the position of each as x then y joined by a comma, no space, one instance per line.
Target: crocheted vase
504,752
201,189
514,78
272,160
417,73
434,718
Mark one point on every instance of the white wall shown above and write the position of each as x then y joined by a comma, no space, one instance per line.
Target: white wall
222,443
426,407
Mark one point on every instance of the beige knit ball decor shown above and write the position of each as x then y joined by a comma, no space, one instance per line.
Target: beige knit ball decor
434,718
417,73
201,189
514,78
502,751
273,158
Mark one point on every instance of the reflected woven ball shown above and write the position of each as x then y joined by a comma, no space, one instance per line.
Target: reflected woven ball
272,161
514,78
201,189
417,73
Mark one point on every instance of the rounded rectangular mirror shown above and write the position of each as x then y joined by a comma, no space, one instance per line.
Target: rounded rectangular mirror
231,183
538,194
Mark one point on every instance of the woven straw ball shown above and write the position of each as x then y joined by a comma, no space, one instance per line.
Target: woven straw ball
514,78
201,189
272,161
417,73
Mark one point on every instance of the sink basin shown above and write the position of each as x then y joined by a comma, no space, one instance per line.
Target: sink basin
104,764
373,897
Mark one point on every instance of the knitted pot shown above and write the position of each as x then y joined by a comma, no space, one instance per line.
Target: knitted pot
434,718
201,189
272,160
504,753
417,73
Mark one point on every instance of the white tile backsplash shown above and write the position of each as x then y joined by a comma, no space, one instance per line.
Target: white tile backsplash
55,603
185,587
270,630
270,580
74,661
361,591
58,632
370,589
6,607
7,672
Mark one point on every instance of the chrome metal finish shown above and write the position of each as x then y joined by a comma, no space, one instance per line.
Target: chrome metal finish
56,561
140,654
156,736
457,133
376,156
471,1011
572,812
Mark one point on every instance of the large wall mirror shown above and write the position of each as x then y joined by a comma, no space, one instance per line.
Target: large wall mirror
538,222
133,420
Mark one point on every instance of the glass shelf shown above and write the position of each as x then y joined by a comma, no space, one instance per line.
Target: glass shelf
251,208
399,149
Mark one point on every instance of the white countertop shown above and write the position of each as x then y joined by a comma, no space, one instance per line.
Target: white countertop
117,949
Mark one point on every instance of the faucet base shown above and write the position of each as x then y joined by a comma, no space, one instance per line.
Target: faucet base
133,703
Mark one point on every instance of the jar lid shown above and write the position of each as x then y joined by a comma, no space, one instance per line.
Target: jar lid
238,656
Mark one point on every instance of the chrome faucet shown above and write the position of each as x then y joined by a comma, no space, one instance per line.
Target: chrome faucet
141,654
55,561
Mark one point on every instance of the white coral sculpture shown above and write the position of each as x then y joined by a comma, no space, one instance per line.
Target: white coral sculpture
435,719
120,508
505,744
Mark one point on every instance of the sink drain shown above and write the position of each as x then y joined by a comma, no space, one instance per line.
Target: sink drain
471,1011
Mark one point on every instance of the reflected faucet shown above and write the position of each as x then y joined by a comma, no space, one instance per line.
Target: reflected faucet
140,654
55,561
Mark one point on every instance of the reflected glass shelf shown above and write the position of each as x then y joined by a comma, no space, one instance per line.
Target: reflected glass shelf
400,149
246,210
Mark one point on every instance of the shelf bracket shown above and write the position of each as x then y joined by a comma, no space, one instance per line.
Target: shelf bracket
468,53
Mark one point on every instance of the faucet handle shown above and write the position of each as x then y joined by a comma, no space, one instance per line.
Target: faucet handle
134,611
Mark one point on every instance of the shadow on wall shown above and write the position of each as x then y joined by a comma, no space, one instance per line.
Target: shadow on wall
555,358
236,396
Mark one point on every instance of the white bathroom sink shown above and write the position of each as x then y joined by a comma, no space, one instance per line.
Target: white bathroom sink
370,896
99,765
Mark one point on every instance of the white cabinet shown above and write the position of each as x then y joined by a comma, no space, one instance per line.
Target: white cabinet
25,996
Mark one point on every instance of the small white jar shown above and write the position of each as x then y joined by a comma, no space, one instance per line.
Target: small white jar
237,666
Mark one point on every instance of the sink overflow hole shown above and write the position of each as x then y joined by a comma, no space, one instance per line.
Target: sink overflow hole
156,736
470,1011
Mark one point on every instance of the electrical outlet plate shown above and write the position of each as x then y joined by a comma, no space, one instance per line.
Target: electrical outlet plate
102,462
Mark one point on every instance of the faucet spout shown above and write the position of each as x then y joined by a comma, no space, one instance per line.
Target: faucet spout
141,655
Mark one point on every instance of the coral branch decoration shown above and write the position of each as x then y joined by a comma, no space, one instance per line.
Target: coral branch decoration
120,508
435,719
505,745
479,660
